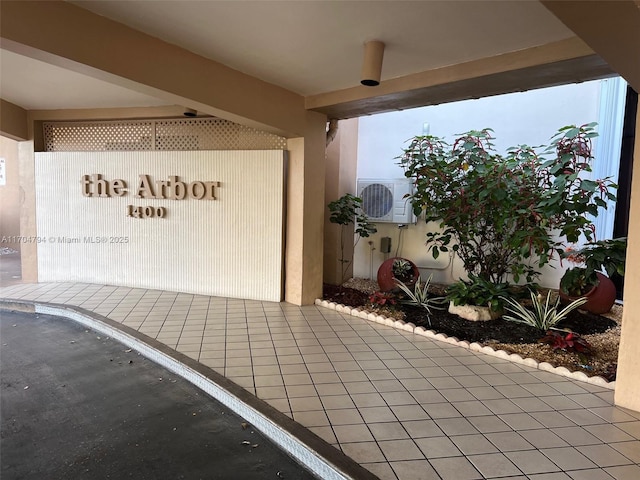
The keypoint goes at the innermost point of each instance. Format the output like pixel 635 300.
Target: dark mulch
pixel 344 296
pixel 499 330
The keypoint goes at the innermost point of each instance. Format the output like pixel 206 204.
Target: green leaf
pixel 572 133
pixel 588 185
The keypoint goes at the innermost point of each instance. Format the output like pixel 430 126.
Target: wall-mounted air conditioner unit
pixel 385 201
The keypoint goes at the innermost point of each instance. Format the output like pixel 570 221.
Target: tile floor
pixel 404 406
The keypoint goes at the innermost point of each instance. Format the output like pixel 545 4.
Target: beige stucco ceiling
pixel 313 47
pixel 36 85
pixel 308 47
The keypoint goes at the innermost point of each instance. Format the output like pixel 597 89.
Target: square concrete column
pixel 305 213
pixel 628 379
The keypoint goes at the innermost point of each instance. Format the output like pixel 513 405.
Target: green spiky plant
pixel 544 314
pixel 419 297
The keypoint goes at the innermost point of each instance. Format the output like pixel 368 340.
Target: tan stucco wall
pixel 305 213
pixel 10 195
pixel 13 121
pixel 29 251
pixel 340 178
pixel 628 379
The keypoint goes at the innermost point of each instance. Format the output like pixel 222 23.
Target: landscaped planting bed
pixel 602 332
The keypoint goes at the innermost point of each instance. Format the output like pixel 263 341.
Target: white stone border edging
pixel 294 447
pixel 476 347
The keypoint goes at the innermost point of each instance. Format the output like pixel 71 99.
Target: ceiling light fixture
pixel 372 64
pixel 190 112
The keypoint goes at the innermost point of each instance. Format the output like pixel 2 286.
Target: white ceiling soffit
pixel 313 47
pixel 35 85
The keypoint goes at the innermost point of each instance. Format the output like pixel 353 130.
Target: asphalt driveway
pixel 77 405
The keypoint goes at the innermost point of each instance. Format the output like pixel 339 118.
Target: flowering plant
pixel 382 298
pixel 569 342
pixel 505 216
pixel 607 256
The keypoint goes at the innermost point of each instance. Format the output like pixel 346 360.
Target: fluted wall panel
pixel 231 246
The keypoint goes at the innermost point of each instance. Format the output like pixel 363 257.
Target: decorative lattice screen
pixel 173 134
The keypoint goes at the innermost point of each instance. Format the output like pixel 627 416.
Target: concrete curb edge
pixel 304 446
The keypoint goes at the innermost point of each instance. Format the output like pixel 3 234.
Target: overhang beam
pixel 562 62
pixel 610 28
pixel 76 39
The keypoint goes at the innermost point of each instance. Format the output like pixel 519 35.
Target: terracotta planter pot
pixel 600 298
pixel 386 280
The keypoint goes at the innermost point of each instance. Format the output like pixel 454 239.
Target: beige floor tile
pixel 363 452
pixel 325 367
pixel 627 472
pixel 294 391
pixel 328 389
pixel 569 458
pixel 269 381
pixel 543 438
pixel 521 421
pixel 388 431
pixel 455 469
pixel 414 470
pixel 297 379
pixel 326 433
pixel 552 419
pixel 305 404
pixel 374 375
pixel 240 361
pixel 436 447
pixel 337 402
pixel 293 369
pixel 345 416
pixel 312 418
pixel 377 414
pixel 263 360
pixel 324 377
pixel 360 387
pixel 267 393
pixel 398 450
pixel 398 398
pixel 289 359
pixel 352 433
pixel 630 449
pixel 281 404
pixel 532 461
pixel 473 444
pixel 363 400
pixel 604 455
pixel 493 465
pixel 422 428
pixel 235 371
pixel 381 469
pixel 615 414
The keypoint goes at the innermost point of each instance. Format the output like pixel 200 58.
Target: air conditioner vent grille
pixel 386 201
pixel 377 200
